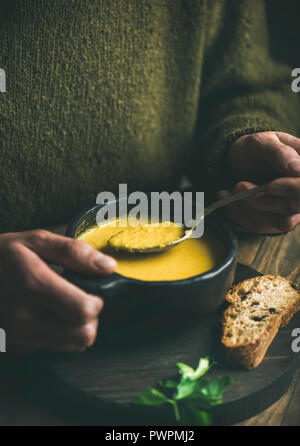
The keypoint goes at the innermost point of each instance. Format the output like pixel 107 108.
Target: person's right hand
pixel 39 309
pixel 258 158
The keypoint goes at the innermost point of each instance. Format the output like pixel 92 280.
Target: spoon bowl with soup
pixel 148 238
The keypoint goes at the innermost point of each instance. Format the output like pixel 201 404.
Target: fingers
pixel 265 155
pixel 284 159
pixel 261 222
pixel 72 339
pixel 253 218
pixel 75 340
pixel 61 316
pixel 285 187
pixel 234 212
pixel 289 140
pixel 26 328
pixel 268 202
pixel 70 253
pixel 258 157
pixel 38 283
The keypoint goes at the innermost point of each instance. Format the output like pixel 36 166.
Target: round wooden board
pixel 96 387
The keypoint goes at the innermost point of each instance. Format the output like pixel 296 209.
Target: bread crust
pixel 250 354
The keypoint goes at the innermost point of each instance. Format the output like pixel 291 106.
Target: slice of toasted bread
pixel 258 308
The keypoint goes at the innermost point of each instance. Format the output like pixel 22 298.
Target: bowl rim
pixel 116 277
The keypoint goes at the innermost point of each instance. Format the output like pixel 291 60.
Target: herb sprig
pixel 190 395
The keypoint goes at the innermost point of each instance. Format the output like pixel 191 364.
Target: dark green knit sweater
pixel 129 91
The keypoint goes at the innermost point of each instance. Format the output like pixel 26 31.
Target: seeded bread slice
pixel 258 308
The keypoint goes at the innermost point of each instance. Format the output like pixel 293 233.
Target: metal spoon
pixel 187 232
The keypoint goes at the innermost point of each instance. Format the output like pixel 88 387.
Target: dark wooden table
pixel 266 254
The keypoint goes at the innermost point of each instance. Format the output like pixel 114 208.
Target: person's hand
pixel 39 309
pixel 259 158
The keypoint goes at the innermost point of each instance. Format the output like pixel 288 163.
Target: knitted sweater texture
pixel 102 92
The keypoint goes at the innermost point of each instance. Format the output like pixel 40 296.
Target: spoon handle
pixel 259 190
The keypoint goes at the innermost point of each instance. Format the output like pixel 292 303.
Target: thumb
pixel 70 253
pixel 283 158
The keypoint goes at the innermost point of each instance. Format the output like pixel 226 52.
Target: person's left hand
pixel 254 159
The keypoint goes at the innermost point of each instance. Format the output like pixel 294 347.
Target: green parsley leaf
pixel 215 389
pixel 193 417
pixel 188 372
pixel 191 396
pixel 170 384
pixel 185 388
pixel 151 397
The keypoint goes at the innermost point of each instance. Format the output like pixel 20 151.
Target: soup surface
pixel 146 236
pixel 188 259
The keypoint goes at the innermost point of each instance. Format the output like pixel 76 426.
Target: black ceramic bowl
pixel 127 300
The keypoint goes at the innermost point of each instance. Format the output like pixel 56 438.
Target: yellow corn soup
pixel 187 259
pixel 146 236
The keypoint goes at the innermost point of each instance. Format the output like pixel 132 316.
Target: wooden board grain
pixel 97 386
